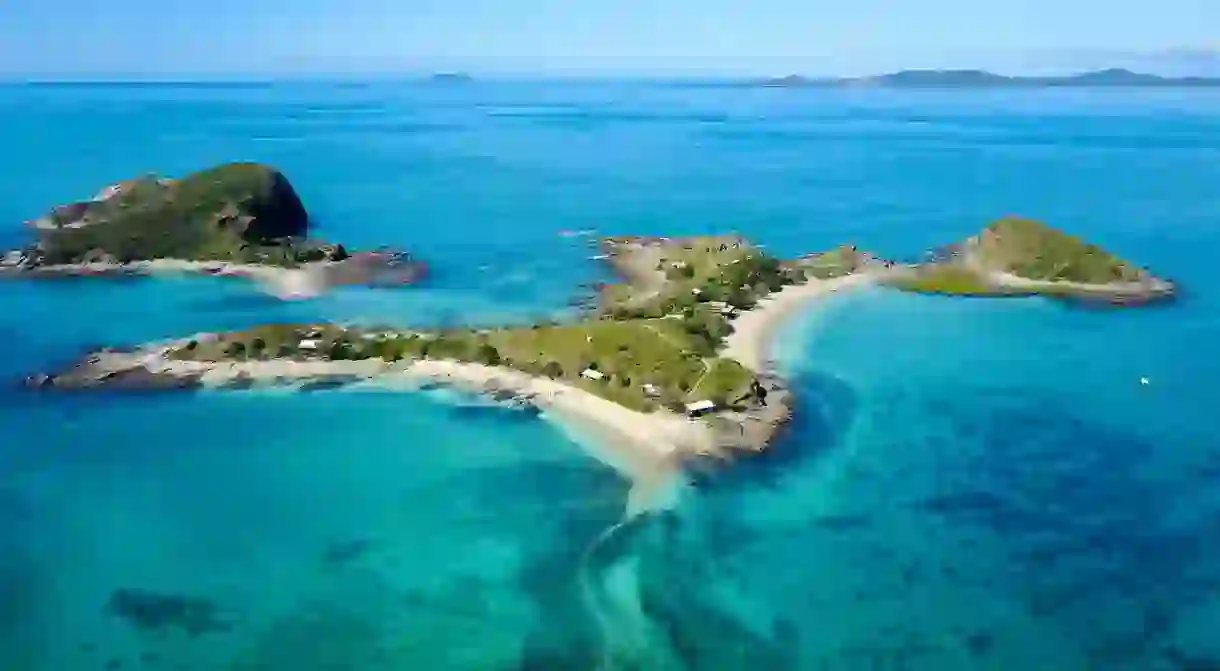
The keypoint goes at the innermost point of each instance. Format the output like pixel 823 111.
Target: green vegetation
pixel 838 262
pixel 644 364
pixel 950 279
pixel 1035 251
pixel 693 272
pixel 240 212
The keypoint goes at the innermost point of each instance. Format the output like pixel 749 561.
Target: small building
pixel 699 408
pixel 311 345
pixel 590 374
pixel 651 390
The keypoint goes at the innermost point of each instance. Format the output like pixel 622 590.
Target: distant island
pixel 451 78
pixel 967 79
pixel 683 336
pixel 237 218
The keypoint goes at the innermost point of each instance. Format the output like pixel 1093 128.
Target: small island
pixel 674 356
pixel 236 219
pixel 1022 257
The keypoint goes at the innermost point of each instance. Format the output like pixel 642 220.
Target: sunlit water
pixel 968 484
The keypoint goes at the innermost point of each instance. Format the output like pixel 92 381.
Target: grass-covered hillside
pixel 1035 251
pixel 675 276
pixel 242 212
pixel 641 364
pixel 1021 257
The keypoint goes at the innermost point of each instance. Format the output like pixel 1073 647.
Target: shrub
pixel 553 370
pixel 340 351
pixel 487 354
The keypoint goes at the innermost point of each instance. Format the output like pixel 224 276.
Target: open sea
pixel 969 484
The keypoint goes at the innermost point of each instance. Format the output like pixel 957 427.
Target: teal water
pixel 969 484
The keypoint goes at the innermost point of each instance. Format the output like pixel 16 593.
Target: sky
pixel 222 38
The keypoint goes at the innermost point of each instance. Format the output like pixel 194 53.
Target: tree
pixel 487 353
pixel 340 351
pixel 258 347
pixel 236 350
pixel 553 370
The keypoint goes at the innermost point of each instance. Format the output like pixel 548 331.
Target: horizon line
pixel 102 79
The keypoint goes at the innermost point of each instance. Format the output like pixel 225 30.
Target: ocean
pixel 968 484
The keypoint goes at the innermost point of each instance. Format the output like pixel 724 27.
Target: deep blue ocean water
pixel 969 484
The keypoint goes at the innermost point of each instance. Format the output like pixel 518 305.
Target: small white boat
pixel 1144 380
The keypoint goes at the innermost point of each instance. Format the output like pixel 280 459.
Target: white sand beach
pixel 753 330
pixel 640 445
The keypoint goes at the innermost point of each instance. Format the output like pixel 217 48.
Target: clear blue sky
pixel 521 37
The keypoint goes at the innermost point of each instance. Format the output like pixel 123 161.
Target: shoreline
pixel 152 267
pixel 303 281
pixel 641 446
pixel 645 447
pixel 754 330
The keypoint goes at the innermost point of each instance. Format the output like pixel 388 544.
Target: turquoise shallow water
pixel 969 484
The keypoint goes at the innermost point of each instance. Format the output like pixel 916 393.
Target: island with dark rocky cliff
pixel 675 354
pixel 237 218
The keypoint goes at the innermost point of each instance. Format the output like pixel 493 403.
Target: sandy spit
pixel 754 330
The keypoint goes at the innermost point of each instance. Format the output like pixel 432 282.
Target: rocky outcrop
pixel 238 212
pixel 130 379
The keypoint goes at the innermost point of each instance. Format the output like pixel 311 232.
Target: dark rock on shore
pixel 323 384
pixel 85 377
pixel 376 269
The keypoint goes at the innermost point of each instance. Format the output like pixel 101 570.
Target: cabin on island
pixel 699 408
pixel 591 374
pixel 651 390
pixel 311 345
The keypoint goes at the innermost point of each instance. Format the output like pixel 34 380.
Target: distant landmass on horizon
pixel 1113 77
